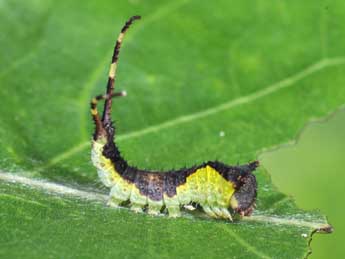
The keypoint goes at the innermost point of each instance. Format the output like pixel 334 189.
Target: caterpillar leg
pixel 226 214
pixel 137 208
pixel 119 194
pixel 114 199
pixel 173 206
pixel 217 211
pixel 138 201
pixel 113 202
pixel 209 212
pixel 222 213
pixel 154 207
pixel 174 211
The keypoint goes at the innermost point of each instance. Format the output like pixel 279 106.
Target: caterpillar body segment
pixel 218 188
pixel 212 185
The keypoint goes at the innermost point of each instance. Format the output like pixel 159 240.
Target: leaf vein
pixel 282 84
pixel 244 243
pixel 56 188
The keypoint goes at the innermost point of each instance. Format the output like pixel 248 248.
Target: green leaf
pixel 255 71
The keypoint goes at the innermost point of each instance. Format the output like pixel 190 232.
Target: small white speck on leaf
pixel 304 235
pixel 221 134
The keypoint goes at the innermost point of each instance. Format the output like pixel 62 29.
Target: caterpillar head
pixel 243 200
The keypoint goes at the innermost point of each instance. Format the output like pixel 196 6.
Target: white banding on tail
pixel 112 70
pixel 120 38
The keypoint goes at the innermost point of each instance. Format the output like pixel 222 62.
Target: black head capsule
pixel 243 200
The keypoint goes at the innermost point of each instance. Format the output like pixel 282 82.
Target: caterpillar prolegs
pixel 218 188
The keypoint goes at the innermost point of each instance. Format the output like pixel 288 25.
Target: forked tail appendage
pixel 103 124
pixel 106 118
pixel 100 130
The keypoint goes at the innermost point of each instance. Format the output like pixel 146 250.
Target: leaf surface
pixel 205 81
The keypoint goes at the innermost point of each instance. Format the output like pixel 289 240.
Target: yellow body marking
pixel 207 187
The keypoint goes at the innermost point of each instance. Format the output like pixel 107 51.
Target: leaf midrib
pixel 60 189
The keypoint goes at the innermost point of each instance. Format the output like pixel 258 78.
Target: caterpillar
pixel 220 190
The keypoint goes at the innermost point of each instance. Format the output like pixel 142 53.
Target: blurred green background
pixel 312 171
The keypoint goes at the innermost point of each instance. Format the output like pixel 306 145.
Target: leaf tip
pixel 327 229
